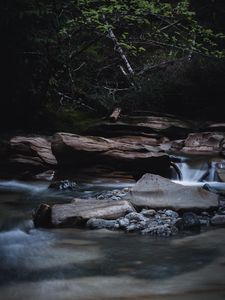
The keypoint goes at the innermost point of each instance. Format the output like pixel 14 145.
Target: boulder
pixel 31 151
pixel 72 149
pixel 204 143
pixel 42 216
pixel 81 210
pixel 154 191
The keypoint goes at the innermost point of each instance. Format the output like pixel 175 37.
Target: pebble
pixel 148 212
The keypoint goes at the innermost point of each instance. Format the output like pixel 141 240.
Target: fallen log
pixel 115 114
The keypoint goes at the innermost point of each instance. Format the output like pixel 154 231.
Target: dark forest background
pixel 59 65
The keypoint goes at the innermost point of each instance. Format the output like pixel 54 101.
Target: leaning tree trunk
pixel 130 72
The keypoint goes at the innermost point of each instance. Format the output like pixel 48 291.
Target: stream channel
pixel 100 264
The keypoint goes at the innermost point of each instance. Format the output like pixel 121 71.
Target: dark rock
pixel 210 188
pixel 42 216
pixel 154 192
pixel 63 185
pixel 123 223
pixel 133 227
pixel 148 212
pixel 172 214
pixel 94 223
pixel 144 125
pixel 218 220
pixel 33 152
pixel 137 217
pixel 72 149
pixel 220 170
pixel 164 230
pixel 189 221
pixel 204 220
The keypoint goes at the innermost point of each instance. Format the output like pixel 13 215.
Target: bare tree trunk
pixel 119 49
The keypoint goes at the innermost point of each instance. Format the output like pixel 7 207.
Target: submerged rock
pixel 154 192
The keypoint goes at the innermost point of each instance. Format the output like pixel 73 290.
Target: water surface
pixel 84 264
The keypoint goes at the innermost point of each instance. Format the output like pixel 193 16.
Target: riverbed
pixel 100 264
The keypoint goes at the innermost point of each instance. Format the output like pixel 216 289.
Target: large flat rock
pixel 154 191
pixel 144 125
pixel 79 211
pixel 72 149
pixel 31 151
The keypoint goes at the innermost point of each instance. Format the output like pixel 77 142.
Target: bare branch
pixel 82 64
pixel 160 66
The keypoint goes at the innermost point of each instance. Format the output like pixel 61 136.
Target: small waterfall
pixel 193 171
pixel 200 172
pixel 212 172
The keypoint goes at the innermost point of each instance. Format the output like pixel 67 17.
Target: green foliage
pixel 66 57
pixel 192 90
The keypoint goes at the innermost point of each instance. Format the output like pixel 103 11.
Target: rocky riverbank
pixel 136 147
pixel 125 210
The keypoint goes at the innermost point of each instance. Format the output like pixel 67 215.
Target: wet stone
pixel 189 221
pixel 63 185
pixel 94 223
pixel 204 221
pixel 148 212
pixel 133 216
pixel 160 230
pixel 123 223
pixel 171 213
pixel 113 195
pixel 218 220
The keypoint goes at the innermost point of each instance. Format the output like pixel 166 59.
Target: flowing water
pixel 100 264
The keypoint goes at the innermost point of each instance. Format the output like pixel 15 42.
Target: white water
pixel 80 264
pixel 220 186
pixel 193 172
pixel 17 186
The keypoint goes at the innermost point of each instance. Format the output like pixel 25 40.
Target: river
pixel 100 264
